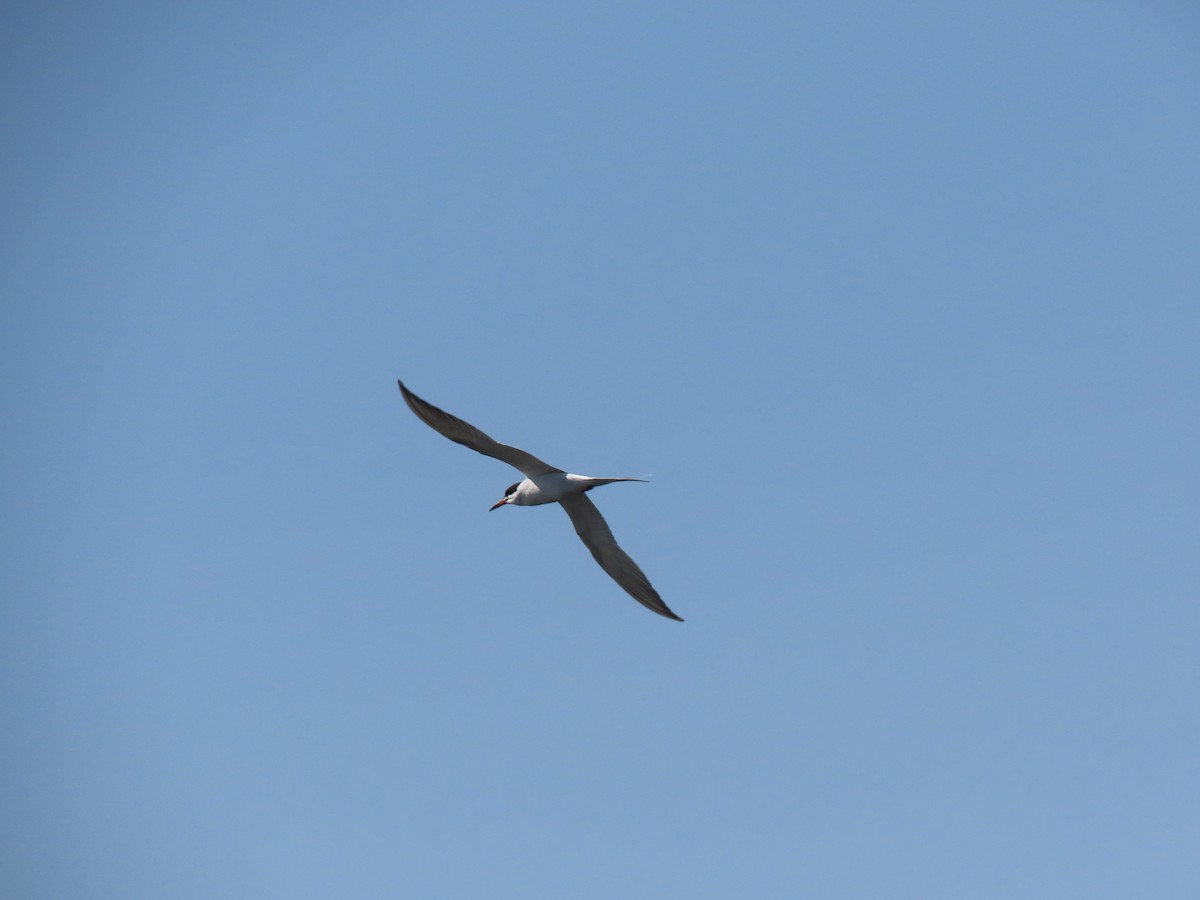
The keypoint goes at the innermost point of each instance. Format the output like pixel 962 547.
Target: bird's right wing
pixel 469 436
pixel 598 537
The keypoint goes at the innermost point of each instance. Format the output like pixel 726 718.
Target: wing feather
pixel 469 436
pixel 598 537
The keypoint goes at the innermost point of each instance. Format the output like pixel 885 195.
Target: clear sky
pixel 898 304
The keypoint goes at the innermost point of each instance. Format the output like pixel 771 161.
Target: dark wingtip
pixel 408 396
pixel 666 612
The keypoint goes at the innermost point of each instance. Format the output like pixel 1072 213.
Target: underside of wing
pixel 598 537
pixel 469 436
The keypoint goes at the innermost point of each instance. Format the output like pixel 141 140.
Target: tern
pixel 545 484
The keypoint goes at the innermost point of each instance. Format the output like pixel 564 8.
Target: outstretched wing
pixel 595 533
pixel 469 436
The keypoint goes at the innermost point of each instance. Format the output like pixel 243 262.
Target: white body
pixel 553 486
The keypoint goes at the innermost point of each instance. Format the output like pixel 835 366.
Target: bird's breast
pixel 548 488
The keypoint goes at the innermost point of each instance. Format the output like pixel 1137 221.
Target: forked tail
pixel 590 483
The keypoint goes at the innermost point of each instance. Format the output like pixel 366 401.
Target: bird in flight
pixel 545 484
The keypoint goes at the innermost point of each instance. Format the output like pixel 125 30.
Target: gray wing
pixel 469 436
pixel 595 533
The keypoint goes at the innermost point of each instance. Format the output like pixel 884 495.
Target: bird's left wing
pixel 469 436
pixel 595 533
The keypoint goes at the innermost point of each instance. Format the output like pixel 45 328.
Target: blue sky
pixel 897 305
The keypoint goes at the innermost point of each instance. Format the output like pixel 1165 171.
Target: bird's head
pixel 508 495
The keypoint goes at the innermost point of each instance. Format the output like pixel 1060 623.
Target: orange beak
pixel 500 504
